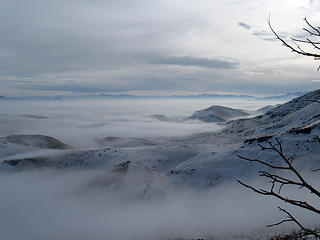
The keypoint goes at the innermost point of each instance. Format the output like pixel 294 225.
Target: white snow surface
pixel 201 160
pixel 141 186
pixel 218 114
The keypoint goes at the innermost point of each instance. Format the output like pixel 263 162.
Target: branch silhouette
pixel 278 181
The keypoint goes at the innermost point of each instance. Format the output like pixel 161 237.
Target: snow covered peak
pixel 218 113
pixel 295 104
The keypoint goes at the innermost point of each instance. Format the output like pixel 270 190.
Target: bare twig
pixel 290 218
pixel 313 100
pixel 278 182
pixel 296 47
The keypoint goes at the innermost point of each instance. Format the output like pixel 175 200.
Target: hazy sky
pixel 149 46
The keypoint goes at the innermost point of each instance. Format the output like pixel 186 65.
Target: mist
pixel 82 123
pixel 83 159
pixel 101 203
pixel 73 205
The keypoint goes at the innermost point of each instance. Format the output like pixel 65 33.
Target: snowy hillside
pixel 201 160
pixel 264 109
pixel 34 141
pixel 174 187
pixel 218 114
pixel 14 145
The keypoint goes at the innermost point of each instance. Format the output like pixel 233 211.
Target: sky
pixel 151 47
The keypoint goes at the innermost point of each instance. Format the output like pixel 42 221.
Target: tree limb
pixel 278 182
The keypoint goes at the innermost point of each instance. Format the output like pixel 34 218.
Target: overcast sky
pixel 152 46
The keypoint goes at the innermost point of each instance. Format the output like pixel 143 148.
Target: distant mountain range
pixel 128 96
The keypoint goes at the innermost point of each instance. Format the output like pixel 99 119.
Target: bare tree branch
pixel 278 182
pixel 290 218
pixel 313 100
pixel 312 27
pixel 262 162
pixel 307 42
pixel 300 46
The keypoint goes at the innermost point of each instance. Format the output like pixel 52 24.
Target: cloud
pixel 244 25
pixel 82 205
pixel 130 45
pixel 266 35
pixel 195 62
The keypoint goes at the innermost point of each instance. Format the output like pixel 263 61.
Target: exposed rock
pixel 122 166
pixel 258 139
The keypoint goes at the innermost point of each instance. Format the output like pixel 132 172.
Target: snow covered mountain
pixel 218 114
pixel 14 145
pixel 201 160
pixel 34 141
pixel 129 96
pixel 264 109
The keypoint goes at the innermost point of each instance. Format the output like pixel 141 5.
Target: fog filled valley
pixel 149 168
pixel 79 123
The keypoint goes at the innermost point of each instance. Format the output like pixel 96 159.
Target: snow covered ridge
pixel 215 113
pixel 21 146
pixel 265 109
pixel 201 160
pixel 218 114
pixel 39 141
pixel 298 113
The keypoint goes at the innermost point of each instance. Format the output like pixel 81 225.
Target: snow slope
pixel 16 145
pixel 201 160
pixel 218 114
pixel 39 141
pixel 264 109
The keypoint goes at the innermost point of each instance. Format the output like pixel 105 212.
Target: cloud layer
pixel 103 46
pixel 73 204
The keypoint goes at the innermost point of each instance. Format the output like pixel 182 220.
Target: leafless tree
pixel 278 174
pixel 308 46
pixel 280 179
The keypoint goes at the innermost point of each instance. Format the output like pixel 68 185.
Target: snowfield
pixel 201 160
pixel 145 166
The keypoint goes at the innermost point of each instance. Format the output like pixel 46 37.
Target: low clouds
pixel 52 205
pixel 195 62
pixel 80 205
pixel 130 45
pixel 264 35
pixel 244 25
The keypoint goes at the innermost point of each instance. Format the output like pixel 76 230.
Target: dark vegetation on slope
pixel 40 141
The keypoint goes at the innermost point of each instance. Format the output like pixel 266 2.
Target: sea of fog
pixel 72 205
pixel 54 205
pixel 80 123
